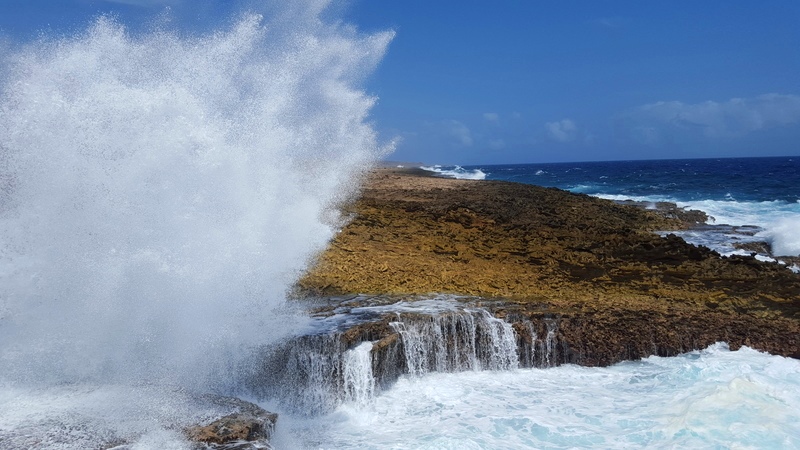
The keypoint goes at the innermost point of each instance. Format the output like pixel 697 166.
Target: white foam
pixel 457 172
pixel 779 220
pixel 711 398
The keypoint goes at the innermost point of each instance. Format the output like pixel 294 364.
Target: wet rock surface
pixel 250 427
pixel 615 289
pixel 230 424
pixel 362 344
pixel 689 217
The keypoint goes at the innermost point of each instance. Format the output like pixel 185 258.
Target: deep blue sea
pixel 750 199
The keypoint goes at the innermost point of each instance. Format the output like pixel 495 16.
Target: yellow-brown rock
pixel 568 253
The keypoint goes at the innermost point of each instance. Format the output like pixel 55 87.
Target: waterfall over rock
pixel 359 381
pixel 357 351
pixel 468 340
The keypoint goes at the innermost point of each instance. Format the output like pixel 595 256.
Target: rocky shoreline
pixel 433 274
pixel 618 290
pixel 508 275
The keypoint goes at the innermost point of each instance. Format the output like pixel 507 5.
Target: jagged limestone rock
pixel 585 260
pixel 250 428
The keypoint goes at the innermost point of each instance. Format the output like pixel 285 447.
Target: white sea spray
pixel 159 193
pixel 777 221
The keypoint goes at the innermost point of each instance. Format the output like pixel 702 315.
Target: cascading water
pixel 548 346
pixel 350 357
pixel 159 193
pixel 359 382
pixel 468 340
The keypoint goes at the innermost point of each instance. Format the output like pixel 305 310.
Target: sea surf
pixel 747 199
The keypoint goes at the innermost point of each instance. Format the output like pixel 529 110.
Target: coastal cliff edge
pixel 618 289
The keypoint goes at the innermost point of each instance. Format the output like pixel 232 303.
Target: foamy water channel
pixel 713 398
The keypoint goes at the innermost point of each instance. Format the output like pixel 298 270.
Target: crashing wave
pixel 456 172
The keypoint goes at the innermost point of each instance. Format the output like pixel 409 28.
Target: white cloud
pixel 459 132
pixel 654 122
pixel 491 117
pixel 562 131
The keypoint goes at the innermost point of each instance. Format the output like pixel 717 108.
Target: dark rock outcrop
pixel 249 428
pixel 689 217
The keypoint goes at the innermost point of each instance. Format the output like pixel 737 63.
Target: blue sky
pixel 480 82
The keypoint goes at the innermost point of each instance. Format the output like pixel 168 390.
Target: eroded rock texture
pixel 619 290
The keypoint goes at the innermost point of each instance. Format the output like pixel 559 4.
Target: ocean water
pixel 160 192
pixel 759 194
pixel 710 398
